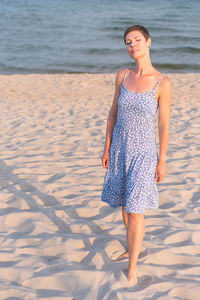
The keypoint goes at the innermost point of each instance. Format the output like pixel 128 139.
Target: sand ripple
pixel 58 241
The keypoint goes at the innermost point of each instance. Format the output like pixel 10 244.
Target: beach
pixel 58 239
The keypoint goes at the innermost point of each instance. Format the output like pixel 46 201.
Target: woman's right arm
pixel 112 117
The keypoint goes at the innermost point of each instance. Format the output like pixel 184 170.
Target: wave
pixel 97 69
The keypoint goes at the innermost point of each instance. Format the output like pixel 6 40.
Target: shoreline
pixel 93 73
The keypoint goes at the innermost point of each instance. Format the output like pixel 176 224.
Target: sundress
pixel 130 178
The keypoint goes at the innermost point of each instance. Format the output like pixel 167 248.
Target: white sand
pixel 58 240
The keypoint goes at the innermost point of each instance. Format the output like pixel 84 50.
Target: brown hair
pixel 140 28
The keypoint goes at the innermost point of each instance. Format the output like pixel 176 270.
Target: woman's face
pixel 136 44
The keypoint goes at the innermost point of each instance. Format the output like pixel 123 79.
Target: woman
pixel 130 155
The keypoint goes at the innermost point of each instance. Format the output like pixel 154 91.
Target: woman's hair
pixel 140 28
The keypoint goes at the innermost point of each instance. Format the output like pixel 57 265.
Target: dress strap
pixel 125 76
pixel 159 80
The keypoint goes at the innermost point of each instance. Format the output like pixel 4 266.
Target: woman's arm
pixel 112 117
pixel 163 126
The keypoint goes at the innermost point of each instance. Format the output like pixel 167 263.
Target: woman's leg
pixel 125 216
pixel 135 234
pixel 125 219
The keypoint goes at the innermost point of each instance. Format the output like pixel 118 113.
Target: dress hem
pixel 128 211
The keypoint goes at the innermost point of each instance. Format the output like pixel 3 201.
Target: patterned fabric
pixel 130 178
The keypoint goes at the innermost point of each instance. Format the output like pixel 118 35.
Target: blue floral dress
pixel 130 178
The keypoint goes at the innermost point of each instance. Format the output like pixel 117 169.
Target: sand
pixel 58 240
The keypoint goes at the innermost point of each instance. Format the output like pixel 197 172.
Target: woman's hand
pixel 105 159
pixel 160 170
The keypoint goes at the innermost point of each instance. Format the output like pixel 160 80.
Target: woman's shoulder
pixel 161 75
pixel 162 79
pixel 122 72
pixel 120 75
pixel 165 82
pixel 165 86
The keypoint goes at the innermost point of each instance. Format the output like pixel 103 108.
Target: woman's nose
pixel 132 44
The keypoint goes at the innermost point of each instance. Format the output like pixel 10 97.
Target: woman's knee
pixel 135 218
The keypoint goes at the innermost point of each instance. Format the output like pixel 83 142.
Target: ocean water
pixel 77 36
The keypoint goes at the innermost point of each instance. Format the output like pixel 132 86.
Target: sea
pixel 86 36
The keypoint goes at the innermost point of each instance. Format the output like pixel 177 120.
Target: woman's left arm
pixel 165 94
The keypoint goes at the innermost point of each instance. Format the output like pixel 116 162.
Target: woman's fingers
pixel 161 176
pixel 104 163
pixel 156 175
pixel 160 172
pixel 105 160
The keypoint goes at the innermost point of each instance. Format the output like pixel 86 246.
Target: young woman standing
pixel 130 155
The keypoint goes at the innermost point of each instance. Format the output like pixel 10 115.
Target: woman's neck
pixel 143 66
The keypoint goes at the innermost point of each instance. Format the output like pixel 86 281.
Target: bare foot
pixel 123 256
pixel 132 277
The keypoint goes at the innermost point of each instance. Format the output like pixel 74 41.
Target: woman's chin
pixel 136 55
